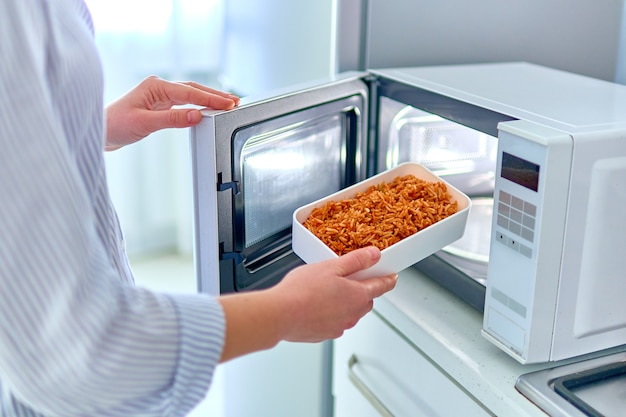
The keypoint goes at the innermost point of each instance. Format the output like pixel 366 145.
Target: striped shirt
pixel 77 338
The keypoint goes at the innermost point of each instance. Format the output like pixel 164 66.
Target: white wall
pixel 275 43
pixel 582 36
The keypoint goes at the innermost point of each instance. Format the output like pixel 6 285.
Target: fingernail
pixel 373 251
pixel 193 116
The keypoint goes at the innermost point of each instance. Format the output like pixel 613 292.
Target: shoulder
pixel 38 15
pixel 28 25
pixel 32 31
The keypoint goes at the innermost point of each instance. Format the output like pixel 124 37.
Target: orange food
pixel 382 215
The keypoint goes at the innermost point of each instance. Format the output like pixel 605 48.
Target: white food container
pixel 400 255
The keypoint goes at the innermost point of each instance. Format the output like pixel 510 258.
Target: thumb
pixel 378 286
pixel 357 260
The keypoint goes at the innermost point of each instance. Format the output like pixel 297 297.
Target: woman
pixel 76 337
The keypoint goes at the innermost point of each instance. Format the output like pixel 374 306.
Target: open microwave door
pixel 253 166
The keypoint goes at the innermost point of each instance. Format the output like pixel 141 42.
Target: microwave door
pixel 253 166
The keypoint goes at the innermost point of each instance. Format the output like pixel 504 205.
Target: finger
pixel 183 93
pixel 216 98
pixel 357 260
pixel 378 286
pixel 212 90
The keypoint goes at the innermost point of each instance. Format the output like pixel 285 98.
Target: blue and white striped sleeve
pixel 75 338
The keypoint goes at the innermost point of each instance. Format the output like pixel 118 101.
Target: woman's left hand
pixel 149 107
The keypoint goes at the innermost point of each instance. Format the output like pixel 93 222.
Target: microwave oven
pixel 541 152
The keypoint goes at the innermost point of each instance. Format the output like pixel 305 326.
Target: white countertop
pixel 447 330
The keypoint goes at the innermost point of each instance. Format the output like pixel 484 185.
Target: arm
pixel 312 303
pixel 150 106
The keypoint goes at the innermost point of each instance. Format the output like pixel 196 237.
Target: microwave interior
pixel 457 141
pixel 466 158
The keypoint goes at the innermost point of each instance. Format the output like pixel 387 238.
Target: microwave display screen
pixel 520 171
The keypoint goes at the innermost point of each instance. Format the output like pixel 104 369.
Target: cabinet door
pixel 378 372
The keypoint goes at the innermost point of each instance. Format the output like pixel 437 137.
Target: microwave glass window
pixel 288 167
pixel 466 157
pixel 520 171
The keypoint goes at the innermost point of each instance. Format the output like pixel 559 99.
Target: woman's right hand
pixel 325 301
pixel 312 303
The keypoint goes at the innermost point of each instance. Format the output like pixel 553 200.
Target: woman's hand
pixel 325 300
pixel 312 303
pixel 149 107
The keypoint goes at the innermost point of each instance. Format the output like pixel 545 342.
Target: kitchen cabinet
pixel 420 353
pixel 381 366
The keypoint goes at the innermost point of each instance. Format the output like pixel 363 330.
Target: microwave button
pixel 528 221
pixel 516 216
pixel 517 203
pixel 505 240
pixel 513 244
pixel 526 251
pixel 515 228
pixel 505 197
pixel 509 302
pixel 504 209
pixel 517 307
pixel 503 221
pixel 530 209
pixel 528 234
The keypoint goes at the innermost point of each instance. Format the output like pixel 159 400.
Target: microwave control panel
pixel 516 221
pixel 527 231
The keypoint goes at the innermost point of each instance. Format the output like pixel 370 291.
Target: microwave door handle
pixel 364 390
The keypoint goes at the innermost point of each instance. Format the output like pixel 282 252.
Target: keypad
pixel 518 217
